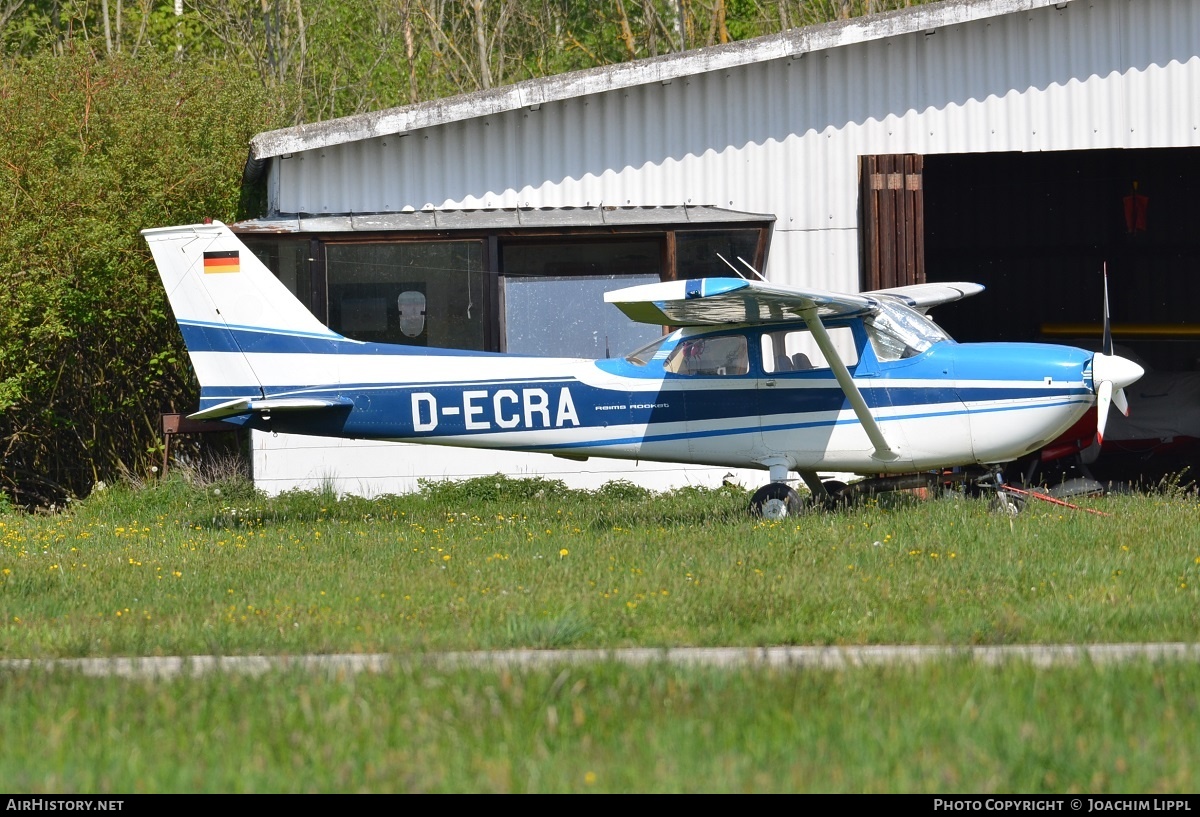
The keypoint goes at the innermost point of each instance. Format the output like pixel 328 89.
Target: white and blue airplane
pixel 748 374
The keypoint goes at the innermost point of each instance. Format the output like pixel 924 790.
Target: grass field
pixel 174 569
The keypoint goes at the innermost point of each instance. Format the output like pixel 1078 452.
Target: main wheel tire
pixel 1078 486
pixel 834 486
pixel 836 497
pixel 776 501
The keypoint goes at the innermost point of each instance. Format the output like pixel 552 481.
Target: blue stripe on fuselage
pixel 415 411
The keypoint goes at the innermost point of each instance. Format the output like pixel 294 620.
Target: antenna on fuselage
pixel 736 271
pixel 750 267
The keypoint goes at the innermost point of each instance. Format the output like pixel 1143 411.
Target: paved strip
pixel 777 657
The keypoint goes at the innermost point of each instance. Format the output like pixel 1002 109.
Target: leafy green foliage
pixel 91 152
pixel 495 488
pixel 352 56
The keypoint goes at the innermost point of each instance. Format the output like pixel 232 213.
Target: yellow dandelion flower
pixel 563 552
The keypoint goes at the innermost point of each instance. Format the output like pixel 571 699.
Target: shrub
pixel 91 152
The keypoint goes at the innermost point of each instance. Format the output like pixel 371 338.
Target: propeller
pixel 1111 373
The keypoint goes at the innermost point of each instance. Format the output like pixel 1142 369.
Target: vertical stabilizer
pixel 230 308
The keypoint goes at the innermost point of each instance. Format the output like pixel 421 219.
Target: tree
pixel 92 150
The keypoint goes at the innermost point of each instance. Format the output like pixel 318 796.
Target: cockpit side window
pixel 796 351
pixel 712 356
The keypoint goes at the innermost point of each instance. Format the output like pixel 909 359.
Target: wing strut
pixel 883 451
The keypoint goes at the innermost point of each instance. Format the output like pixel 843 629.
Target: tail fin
pixel 231 309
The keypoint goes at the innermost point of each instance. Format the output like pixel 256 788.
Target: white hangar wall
pixel 780 132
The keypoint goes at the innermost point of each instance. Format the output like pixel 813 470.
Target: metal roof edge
pixel 497 218
pixel 533 92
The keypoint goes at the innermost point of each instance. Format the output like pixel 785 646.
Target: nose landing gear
pixel 775 501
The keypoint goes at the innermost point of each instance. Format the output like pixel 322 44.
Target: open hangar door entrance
pixel 1037 229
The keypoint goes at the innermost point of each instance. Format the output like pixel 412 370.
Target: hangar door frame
pixel 892 201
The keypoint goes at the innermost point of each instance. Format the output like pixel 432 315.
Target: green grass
pixel 172 570
pixel 495 563
pixel 946 727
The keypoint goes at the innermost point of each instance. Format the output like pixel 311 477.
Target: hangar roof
pixel 534 92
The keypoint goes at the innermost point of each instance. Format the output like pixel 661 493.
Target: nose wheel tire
pixel 1007 504
pixel 776 501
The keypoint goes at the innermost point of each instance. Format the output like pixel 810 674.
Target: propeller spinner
pixel 1111 373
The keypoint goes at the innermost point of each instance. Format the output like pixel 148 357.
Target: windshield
pixel 899 332
pixel 644 354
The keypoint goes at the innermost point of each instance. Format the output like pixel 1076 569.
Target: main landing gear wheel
pixel 776 501
pixel 835 497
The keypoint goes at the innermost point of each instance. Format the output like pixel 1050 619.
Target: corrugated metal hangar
pixel 1022 144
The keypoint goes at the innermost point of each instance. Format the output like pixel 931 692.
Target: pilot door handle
pixel 770 383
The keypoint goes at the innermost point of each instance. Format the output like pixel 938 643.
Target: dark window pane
pixel 697 252
pixel 288 259
pixel 415 293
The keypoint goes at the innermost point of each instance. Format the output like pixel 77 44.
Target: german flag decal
pixel 223 261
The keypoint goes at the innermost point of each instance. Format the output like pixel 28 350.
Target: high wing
pixel 924 297
pixel 715 301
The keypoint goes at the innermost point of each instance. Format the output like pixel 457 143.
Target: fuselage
pixel 948 404
pixel 762 375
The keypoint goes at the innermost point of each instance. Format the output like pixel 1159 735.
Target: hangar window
pixel 427 293
pixel 553 295
pixel 700 252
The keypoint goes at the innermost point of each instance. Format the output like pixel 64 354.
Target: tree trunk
pixel 481 44
pixel 626 31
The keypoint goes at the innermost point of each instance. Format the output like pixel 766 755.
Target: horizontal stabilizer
pixel 246 405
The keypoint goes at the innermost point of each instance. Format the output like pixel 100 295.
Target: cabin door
pixel 800 400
